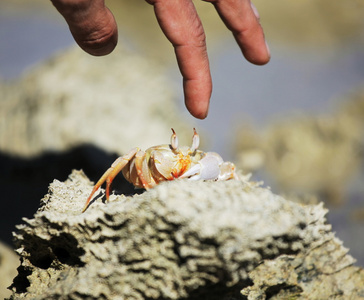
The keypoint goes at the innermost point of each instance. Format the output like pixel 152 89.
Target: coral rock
pixel 181 239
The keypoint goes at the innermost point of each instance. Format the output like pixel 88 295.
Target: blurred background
pixel 296 123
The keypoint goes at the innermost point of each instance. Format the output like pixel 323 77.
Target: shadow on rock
pixel 24 181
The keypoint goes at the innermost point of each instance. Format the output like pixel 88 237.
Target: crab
pixel 145 169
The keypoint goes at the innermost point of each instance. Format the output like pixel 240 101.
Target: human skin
pixel 95 30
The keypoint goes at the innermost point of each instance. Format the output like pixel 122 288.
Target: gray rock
pixel 181 239
pixel 72 99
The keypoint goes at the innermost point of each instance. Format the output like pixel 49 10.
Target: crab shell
pixel 169 162
pixel 145 169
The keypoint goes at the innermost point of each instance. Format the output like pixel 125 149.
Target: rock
pixel 290 149
pixel 318 155
pixel 323 272
pixel 180 240
pixel 78 111
pixel 115 102
pixel 8 263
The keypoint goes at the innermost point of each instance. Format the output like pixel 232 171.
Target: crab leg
pixel 143 170
pixel 110 174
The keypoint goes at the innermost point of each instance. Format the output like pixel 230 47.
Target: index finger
pixel 180 23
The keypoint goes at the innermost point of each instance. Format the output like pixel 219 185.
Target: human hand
pixel 95 31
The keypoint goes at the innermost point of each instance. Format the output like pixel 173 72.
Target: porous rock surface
pixel 181 240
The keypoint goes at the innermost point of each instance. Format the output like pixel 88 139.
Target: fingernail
pixel 268 50
pixel 206 112
pixel 256 13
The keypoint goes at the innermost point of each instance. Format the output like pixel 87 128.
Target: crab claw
pixel 206 169
pixel 227 171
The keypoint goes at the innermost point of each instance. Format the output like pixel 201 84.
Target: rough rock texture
pixel 320 273
pixel 319 155
pixel 77 111
pixel 182 239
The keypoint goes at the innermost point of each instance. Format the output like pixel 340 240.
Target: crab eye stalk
pixel 195 140
pixel 174 140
